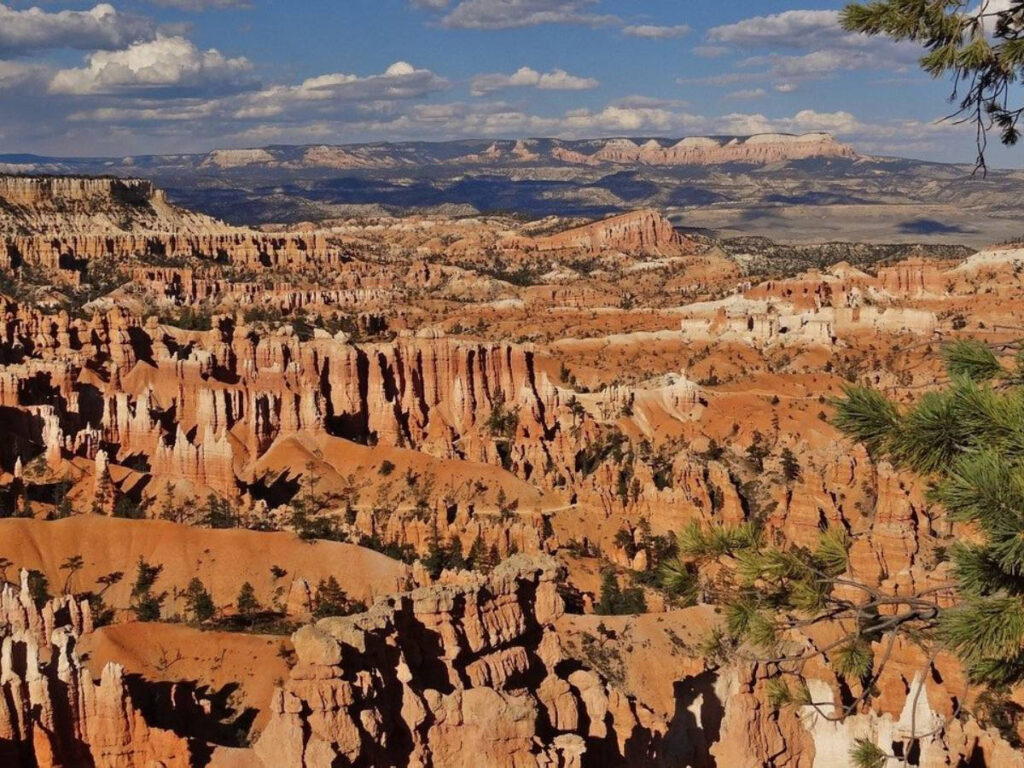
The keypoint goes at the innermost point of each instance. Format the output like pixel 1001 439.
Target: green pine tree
pixel 147 604
pixel 611 595
pixel 246 603
pixel 331 600
pixel 477 554
pixel 199 602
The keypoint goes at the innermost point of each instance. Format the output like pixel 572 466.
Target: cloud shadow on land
pixel 923 226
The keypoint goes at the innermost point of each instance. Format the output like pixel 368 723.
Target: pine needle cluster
pixel 977 45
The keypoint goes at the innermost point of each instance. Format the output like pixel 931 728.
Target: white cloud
pixel 479 119
pixel 527 77
pixel 507 14
pixel 339 97
pixel 808 65
pixel 167 63
pixel 817 64
pixel 785 87
pixel 790 29
pixel 841 123
pixel 103 27
pixel 177 113
pixel 400 69
pixel 655 32
pixel 560 80
pixel 401 81
pixel 829 48
pixel 804 121
pixel 627 119
pixel 13 74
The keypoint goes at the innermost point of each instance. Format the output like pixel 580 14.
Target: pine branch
pixel 976 361
pixel 866 416
pixel 984 629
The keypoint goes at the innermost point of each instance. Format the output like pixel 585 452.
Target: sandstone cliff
pixel 68 205
pixel 639 232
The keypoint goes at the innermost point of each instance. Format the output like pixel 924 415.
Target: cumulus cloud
pixel 507 14
pixel 527 77
pixel 818 63
pixel 499 119
pixel 167 63
pixel 804 121
pixel 401 81
pixel 828 47
pixel 655 32
pixel 102 28
pixel 866 135
pixel 790 29
pixel 337 98
pixel 14 74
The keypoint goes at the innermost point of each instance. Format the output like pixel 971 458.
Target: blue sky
pixel 191 75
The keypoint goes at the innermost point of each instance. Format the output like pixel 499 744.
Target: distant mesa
pixel 236 158
pixel 699 150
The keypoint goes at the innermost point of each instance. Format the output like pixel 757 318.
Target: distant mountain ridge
pixel 754 150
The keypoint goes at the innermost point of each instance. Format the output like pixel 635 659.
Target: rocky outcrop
pixel 32 191
pixel 638 232
pixel 66 205
pixel 52 713
pixel 459 674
